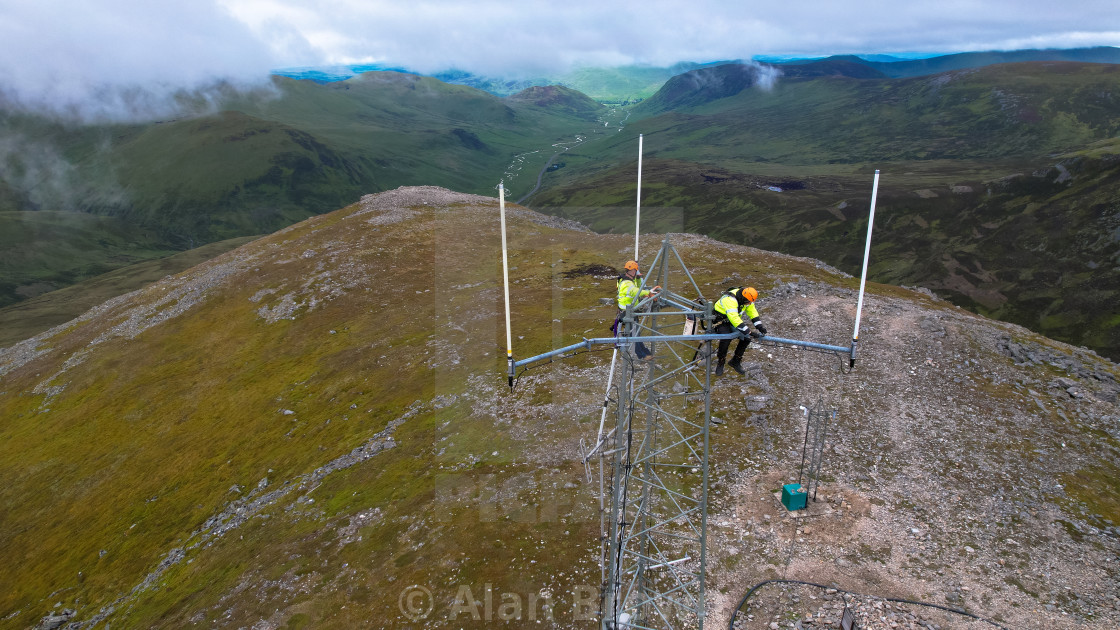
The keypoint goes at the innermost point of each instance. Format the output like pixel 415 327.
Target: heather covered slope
pixel 300 431
pixel 78 199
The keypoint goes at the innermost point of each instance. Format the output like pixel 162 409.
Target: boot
pixel 719 368
pixel 736 364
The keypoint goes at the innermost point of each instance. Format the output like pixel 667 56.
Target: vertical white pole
pixel 638 218
pixel 505 280
pixel 606 401
pixel 866 255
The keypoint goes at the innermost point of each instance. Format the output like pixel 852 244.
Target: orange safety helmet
pixel 750 294
pixel 631 264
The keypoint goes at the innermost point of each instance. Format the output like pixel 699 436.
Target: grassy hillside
pixel 262 162
pixel 1017 110
pixel 302 431
pixel 53 306
pixel 44 250
pixel 998 187
pixel 960 61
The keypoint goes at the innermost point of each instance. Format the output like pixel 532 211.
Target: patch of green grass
pixel 1098 488
pixel 298 622
pixel 148 436
pixel 1014 581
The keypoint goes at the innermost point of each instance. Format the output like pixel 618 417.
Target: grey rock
pixel 51 622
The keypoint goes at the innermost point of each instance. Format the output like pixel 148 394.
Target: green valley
pixel 78 200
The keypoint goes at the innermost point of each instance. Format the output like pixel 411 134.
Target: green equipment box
pixel 793 497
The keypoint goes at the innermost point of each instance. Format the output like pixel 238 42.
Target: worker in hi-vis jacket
pixel 628 293
pixel 731 310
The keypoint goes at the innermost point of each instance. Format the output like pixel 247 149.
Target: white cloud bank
pixel 58 53
pixel 121 56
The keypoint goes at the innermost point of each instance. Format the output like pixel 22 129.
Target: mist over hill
pixel 298 432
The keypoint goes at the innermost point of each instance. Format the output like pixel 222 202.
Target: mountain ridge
pixel 266 163
pixel 638 82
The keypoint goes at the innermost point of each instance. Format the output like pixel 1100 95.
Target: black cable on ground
pixel 731 623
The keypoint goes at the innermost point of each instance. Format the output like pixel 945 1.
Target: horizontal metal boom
pixel 806 344
pixel 587 343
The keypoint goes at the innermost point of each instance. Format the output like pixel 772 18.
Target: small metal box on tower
pixel 793 497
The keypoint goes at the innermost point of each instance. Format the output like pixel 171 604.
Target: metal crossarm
pixel 586 344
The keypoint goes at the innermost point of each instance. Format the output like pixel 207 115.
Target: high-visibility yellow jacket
pixel 628 291
pixel 728 305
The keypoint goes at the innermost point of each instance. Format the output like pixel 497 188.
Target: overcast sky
pixel 65 51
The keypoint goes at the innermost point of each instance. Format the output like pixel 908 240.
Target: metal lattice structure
pixel 817 420
pixel 654 529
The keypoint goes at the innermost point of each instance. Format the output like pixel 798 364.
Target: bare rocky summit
pixel 348 371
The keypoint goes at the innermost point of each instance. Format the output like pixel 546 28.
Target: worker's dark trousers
pixel 640 349
pixel 721 353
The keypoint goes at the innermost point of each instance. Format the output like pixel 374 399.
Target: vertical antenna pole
pixel 863 275
pixel 606 399
pixel 638 218
pixel 505 281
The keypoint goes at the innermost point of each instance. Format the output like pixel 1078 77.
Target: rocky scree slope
pixel 306 430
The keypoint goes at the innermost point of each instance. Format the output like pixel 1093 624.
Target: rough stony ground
pixel 948 478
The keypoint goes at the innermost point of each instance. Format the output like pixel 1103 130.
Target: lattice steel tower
pixel 656 460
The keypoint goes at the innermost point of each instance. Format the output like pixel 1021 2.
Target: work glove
pixel 761 329
pixel 743 328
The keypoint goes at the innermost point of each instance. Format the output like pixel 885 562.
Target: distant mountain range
pixel 620 85
pixel 943 63
pixel 633 83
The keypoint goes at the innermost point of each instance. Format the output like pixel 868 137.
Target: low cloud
pixel 128 59
pixel 497 37
pixel 123 59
